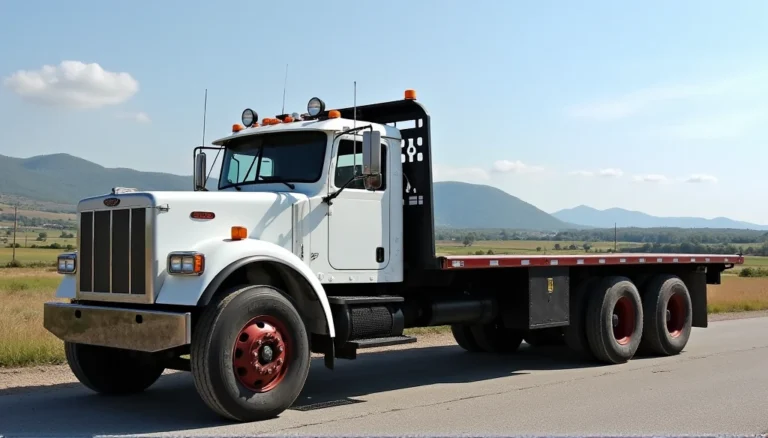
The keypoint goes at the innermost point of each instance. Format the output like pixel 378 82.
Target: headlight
pixel 315 106
pixel 186 263
pixel 67 263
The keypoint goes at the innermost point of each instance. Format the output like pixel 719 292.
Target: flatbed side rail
pixel 521 261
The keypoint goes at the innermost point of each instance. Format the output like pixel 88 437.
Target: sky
pixel 653 106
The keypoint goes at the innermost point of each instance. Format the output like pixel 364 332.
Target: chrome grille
pixel 113 252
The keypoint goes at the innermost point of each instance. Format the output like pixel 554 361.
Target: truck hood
pixel 267 216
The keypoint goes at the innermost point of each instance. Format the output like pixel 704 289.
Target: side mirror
pixel 200 168
pixel 372 159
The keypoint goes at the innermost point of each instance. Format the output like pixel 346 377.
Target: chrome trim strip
pixel 79 246
pixel 150 273
pixel 130 244
pixel 132 329
pixel 111 226
pixel 93 250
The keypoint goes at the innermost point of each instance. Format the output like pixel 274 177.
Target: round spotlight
pixel 315 106
pixel 249 117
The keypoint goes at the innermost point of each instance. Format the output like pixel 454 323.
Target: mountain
pixel 66 179
pixel 584 215
pixel 463 205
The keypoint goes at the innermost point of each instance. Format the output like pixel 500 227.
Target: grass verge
pixel 24 341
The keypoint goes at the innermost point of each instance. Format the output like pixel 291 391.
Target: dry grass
pixel 738 294
pixel 24 341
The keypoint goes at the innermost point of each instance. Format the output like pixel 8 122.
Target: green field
pixel 525 247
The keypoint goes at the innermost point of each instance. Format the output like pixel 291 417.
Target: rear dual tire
pixel 668 316
pixel 614 320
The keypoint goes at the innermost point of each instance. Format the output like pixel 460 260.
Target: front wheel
pixel 250 354
pixel 112 371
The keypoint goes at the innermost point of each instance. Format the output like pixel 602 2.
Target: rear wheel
pixel 495 338
pixel 463 336
pixel 614 320
pixel 112 371
pixel 544 337
pixel 575 333
pixel 250 354
pixel 668 316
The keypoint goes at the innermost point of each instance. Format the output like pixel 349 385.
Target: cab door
pixel 358 219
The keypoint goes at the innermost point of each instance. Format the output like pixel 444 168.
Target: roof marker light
pixel 333 114
pixel 237 127
pixel 410 94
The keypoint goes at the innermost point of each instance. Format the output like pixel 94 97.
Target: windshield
pixel 281 157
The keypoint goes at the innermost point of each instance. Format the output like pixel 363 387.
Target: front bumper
pixel 130 329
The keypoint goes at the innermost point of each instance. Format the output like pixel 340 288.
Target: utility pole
pixel 15 221
pixel 615 237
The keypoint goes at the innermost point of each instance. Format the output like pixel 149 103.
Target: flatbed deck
pixel 519 261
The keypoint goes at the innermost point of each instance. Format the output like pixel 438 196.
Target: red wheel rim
pixel 623 320
pixel 675 315
pixel 260 355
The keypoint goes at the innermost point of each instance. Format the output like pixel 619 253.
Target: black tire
pixel 575 333
pixel 463 336
pixel 495 338
pixel 216 346
pixel 112 371
pixel 662 334
pixel 544 337
pixel 616 298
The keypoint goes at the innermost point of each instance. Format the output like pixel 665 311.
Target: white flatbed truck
pixel 316 241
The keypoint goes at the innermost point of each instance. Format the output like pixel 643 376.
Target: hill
pixel 65 179
pixel 584 215
pixel 463 205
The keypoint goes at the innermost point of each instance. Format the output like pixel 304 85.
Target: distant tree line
pixel 26 221
pixel 653 240
pixel 634 235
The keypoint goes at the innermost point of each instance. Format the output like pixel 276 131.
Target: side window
pixel 349 164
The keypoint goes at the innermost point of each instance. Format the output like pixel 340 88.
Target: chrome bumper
pixel 130 329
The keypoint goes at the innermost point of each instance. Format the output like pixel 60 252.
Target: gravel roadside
pixel 21 380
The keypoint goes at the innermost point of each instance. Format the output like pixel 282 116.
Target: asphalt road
pixel 719 385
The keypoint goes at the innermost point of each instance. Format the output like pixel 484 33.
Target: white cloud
pixel 140 117
pixel 610 173
pixel 606 173
pixel 701 178
pixel 636 101
pixel 465 174
pixel 506 166
pixel 73 84
pixel 652 178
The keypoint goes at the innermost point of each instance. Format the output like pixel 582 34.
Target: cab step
pixel 381 342
pixel 349 349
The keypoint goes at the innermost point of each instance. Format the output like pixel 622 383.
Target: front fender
pixel 221 255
